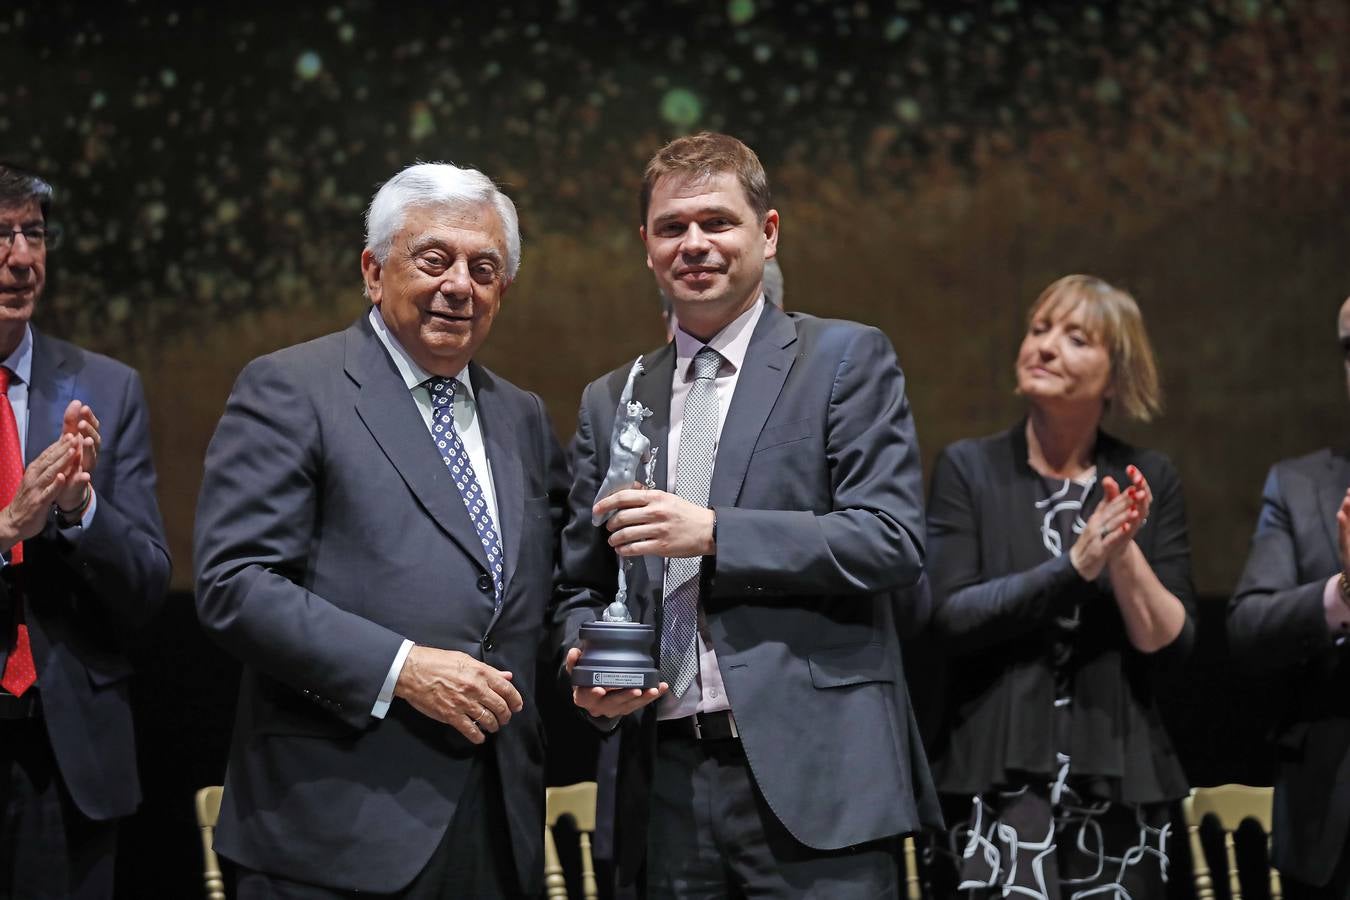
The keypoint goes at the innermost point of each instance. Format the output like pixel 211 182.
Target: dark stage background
pixel 935 164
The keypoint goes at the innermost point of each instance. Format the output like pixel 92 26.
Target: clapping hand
pixel 1113 524
pixel 55 469
pixel 79 422
pixel 1343 523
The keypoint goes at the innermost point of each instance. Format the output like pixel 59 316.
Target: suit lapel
pixel 388 411
pixel 652 389
pixel 51 387
pixel 499 437
pixel 768 359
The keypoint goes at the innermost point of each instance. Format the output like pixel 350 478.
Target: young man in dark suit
pixel 85 565
pixel 1290 616
pixel 780 755
pixel 375 540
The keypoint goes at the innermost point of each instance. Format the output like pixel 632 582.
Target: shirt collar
pixel 732 341
pixel 414 376
pixel 20 362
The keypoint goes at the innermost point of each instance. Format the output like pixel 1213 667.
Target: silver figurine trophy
pixel 616 652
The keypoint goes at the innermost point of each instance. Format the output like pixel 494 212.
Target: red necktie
pixel 20 672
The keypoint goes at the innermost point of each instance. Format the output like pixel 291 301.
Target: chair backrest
pixel 1230 805
pixel 208 811
pixel 576 801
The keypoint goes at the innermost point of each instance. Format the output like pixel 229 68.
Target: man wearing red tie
pixel 84 565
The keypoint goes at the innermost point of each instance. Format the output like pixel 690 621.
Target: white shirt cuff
pixel 386 696
pixel 89 513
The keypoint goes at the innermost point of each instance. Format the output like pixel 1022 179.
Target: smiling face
pixel 23 272
pixel 706 247
pixel 442 285
pixel 1062 364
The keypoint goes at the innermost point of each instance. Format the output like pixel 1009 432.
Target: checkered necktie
pixel 693 475
pixel 456 459
pixel 19 671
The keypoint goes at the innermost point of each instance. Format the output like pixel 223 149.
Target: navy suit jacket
pixel 817 490
pixel 86 591
pixel 1277 626
pixel 328 530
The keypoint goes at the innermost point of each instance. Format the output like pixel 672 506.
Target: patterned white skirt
pixel 1045 842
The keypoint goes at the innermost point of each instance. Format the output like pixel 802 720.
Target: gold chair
pixel 913 888
pixel 578 802
pixel 208 811
pixel 1230 805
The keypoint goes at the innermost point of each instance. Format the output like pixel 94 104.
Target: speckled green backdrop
pixel 935 165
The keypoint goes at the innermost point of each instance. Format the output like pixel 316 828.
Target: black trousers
pixel 48 849
pixel 472 860
pixel 712 835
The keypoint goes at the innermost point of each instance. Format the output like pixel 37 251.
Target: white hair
pixel 423 185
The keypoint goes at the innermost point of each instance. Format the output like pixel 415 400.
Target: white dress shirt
pixel 707 694
pixel 470 433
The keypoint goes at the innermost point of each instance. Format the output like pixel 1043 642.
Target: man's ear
pixel 372 273
pixel 642 233
pixel 771 234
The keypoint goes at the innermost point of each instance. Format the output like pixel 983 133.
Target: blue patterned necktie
pixel 693 475
pixel 456 459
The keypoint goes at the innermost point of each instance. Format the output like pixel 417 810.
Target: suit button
pixel 484 583
pixel 488 644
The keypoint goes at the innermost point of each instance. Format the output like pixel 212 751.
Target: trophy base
pixel 616 656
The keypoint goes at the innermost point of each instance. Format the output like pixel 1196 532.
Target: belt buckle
pixel 14 708
pixel 731 723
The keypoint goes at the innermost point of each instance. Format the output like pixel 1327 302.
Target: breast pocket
pixel 106 669
pixel 781 435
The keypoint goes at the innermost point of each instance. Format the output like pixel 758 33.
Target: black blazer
pixel 817 488
pixel 1276 625
pixel 996 591
pixel 85 597
pixel 328 530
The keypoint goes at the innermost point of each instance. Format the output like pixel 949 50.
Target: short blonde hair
pixel 1111 316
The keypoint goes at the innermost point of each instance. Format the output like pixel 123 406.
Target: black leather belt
pixel 713 726
pixel 25 707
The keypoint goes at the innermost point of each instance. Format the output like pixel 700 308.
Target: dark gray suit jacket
pixel 328 530
pixel 1276 625
pixel 84 598
pixel 817 489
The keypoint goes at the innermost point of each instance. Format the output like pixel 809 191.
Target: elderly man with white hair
pixel 375 540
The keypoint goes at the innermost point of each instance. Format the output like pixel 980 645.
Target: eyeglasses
pixel 37 236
